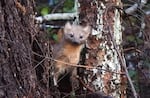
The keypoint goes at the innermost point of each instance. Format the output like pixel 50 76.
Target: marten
pixel 71 40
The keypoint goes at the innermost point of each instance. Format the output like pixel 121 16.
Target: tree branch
pixel 123 64
pixel 135 6
pixel 57 16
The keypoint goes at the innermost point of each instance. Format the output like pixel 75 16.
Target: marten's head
pixel 76 34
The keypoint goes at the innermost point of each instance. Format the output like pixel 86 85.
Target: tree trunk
pixel 103 45
pixel 17 76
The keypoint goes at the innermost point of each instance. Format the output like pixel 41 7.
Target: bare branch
pixel 57 16
pixel 134 7
pixel 74 65
pixel 123 64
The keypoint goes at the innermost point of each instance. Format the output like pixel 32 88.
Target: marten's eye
pixel 71 35
pixel 81 37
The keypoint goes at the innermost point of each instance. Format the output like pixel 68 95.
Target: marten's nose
pixel 76 42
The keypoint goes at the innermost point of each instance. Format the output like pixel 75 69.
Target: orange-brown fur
pixel 68 50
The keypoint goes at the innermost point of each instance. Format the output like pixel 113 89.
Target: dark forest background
pixel 25 44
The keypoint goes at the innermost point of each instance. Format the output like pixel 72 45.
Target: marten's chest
pixel 72 53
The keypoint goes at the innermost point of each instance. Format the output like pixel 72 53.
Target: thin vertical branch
pixel 123 64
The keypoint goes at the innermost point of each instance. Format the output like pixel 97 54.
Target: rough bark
pixel 17 79
pixel 101 52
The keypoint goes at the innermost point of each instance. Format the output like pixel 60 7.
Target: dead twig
pixel 123 64
pixel 74 65
pixel 59 4
pixel 131 48
pixel 90 89
pixel 121 58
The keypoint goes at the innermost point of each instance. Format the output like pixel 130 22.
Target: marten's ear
pixel 68 25
pixel 87 29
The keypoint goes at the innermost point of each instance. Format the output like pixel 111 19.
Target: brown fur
pixel 68 48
